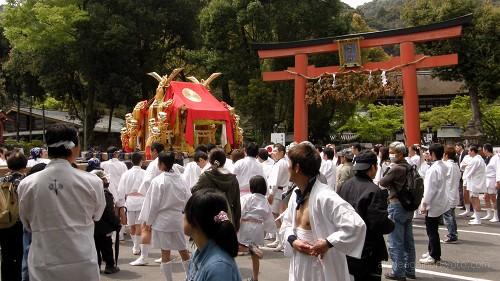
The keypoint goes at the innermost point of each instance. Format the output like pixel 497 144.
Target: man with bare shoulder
pixel 320 227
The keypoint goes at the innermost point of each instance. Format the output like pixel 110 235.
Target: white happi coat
pixel 414 161
pixel 152 171
pixel 33 162
pixel 435 190
pixel 332 219
pixel 165 202
pixel 129 184
pixel 256 219
pixel 279 177
pixel 267 166
pixel 59 206
pixel 191 173
pixel 475 174
pixel 329 170
pixel 229 165
pixel 453 182
pixel 115 169
pixel 244 170
pixel 491 171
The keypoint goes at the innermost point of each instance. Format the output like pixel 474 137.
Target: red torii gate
pixel 410 62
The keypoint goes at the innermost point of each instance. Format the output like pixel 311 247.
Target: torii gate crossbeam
pixel 409 60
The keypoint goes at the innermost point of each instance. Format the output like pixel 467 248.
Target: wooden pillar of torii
pixel 408 60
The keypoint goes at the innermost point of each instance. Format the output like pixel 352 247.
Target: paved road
pixel 475 257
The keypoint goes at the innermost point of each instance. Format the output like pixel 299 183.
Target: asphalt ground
pixel 474 257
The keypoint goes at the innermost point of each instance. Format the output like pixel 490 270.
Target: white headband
pixel 66 144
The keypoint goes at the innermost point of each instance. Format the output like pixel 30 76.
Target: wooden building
pixel 34 126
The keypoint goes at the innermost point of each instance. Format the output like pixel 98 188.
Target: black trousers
pixel 11 242
pixel 431 226
pixel 498 198
pixel 365 269
pixel 104 248
pixel 461 191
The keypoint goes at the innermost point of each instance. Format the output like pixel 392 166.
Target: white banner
pixel 278 138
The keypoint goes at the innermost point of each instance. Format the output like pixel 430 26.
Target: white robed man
pixel 278 181
pixel 164 205
pixel 435 202
pixel 192 170
pixel 319 226
pixel 248 167
pixel 128 191
pixel 491 192
pixel 265 161
pixel 59 206
pixel 152 171
pixel 329 167
pixel 115 168
pixel 475 176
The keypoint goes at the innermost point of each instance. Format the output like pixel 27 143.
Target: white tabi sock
pixel 166 269
pixel 145 251
pixel 185 265
pixel 476 214
pixel 136 239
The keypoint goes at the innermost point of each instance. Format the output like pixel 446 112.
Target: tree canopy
pixel 477 48
pixel 91 57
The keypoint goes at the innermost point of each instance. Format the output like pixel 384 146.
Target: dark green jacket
pixel 228 185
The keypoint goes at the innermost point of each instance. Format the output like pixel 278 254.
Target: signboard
pixel 428 138
pixel 278 138
pixel 350 52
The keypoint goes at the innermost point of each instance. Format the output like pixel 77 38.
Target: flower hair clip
pixel 221 217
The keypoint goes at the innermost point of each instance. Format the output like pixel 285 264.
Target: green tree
pixel 459 112
pixel 478 51
pixel 378 124
pixel 93 52
pixel 228 27
pixel 382 14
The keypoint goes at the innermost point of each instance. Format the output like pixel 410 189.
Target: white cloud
pixel 355 3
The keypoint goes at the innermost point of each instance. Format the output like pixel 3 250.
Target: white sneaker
pixel 424 256
pixel 139 262
pixel 279 248
pixel 464 214
pixel 475 222
pixel 273 244
pixel 494 219
pixel 172 259
pixel 428 260
pixel 270 236
pixel 489 215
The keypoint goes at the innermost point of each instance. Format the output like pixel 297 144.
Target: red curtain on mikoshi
pixel 203 106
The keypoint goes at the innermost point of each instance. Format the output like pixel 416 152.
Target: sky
pixel 352 3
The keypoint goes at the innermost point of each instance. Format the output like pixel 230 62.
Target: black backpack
pixel 412 192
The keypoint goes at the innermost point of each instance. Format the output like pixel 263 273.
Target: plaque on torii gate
pixel 408 61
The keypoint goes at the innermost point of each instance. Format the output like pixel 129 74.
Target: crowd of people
pixel 327 209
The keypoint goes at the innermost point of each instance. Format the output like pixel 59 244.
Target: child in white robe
pixel 256 219
pixel 165 201
pixel 128 193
